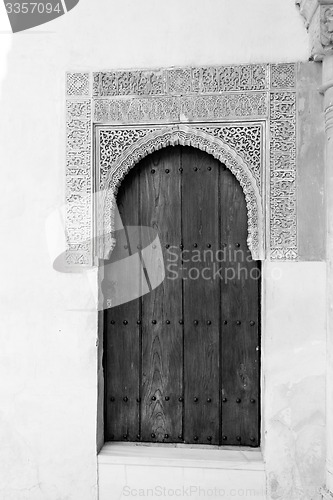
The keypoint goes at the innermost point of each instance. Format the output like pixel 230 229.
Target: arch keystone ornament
pixel 245 116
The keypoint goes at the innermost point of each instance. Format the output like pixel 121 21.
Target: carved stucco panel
pixel 78 183
pixel 283 243
pixel 173 109
pixel 247 100
pixel 175 81
pixel 77 84
pixel 247 140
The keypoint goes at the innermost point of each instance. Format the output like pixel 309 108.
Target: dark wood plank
pixel 162 343
pixel 240 321
pixel 122 333
pixel 204 205
pixel 200 202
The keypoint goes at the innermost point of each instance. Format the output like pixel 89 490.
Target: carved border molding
pixel 78 183
pixel 283 195
pixel 226 111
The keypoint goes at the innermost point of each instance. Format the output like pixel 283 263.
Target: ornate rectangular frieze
pixel 172 109
pixel 207 80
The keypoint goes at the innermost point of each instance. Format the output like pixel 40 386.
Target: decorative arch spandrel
pixel 155 139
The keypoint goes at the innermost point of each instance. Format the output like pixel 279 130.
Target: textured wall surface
pixel 49 319
pixel 311 164
pixel 294 346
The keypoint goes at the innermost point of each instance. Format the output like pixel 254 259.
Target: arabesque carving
pixel 226 111
pixel 185 136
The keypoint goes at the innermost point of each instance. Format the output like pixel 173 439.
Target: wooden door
pixel 182 363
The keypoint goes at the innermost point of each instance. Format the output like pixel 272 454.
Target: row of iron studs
pixel 167 170
pixel 181 322
pixel 195 245
pixel 180 399
pixel 180 437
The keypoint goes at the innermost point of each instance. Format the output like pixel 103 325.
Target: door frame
pixel 218 110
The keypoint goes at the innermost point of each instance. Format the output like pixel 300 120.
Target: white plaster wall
pixel 294 365
pixel 233 481
pixel 48 322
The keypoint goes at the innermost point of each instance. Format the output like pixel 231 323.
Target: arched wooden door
pixel 182 363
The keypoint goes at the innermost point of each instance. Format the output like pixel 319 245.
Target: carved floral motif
pixel 77 84
pixel 179 81
pixel 246 140
pixel 112 143
pixel 283 76
pixel 327 26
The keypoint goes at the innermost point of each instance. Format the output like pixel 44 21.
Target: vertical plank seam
pixel 140 317
pixel 182 295
pixel 219 238
pixel 106 378
pixel 259 357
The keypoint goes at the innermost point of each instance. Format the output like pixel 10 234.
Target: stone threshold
pixel 180 455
